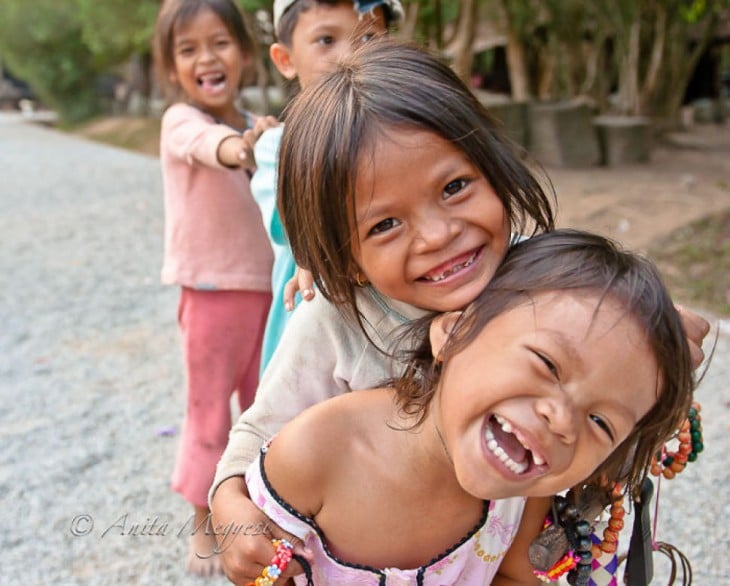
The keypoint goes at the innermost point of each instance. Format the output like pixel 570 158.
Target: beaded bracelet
pixel 282 557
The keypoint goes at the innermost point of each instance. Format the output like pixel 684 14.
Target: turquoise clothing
pixel 263 188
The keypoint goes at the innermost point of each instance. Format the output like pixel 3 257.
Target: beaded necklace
pixel 584 550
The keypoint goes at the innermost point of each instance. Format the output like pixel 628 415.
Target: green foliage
pixel 251 6
pixel 60 48
pixel 41 42
pixel 115 29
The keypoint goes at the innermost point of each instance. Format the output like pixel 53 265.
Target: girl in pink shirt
pixel 216 248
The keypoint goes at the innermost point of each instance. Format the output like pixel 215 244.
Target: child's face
pixel 544 394
pixel 208 63
pixel 324 34
pixel 430 231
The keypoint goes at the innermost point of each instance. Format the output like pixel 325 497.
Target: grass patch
pixel 695 262
pixel 140 134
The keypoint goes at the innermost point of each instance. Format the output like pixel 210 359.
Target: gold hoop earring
pixel 359 281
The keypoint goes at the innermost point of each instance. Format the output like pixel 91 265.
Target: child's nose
pixel 206 53
pixel 559 415
pixel 436 231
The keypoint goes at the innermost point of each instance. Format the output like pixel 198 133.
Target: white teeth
pixel 452 270
pixel 505 425
pixel 496 449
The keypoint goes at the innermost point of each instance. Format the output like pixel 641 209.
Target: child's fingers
pixel 244 561
pixel 290 292
pixel 261 125
pixel 293 568
pixel 696 328
pixel 306 283
pixel 264 123
pixel 301 282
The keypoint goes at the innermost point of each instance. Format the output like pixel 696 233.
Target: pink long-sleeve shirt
pixel 214 235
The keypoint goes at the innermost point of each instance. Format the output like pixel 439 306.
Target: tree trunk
pixel 438 25
pixel 407 28
pixel 546 76
pixel 461 46
pixel 651 81
pixel 594 53
pixel 628 92
pixel 518 78
pixel 683 66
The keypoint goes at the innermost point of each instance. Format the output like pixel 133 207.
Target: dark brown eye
pixel 549 364
pixel 603 425
pixel 383 226
pixel 455 186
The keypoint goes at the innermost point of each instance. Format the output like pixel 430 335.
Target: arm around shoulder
pixel 307 368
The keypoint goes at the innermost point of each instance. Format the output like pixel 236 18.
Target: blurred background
pixel 588 85
pixel 619 57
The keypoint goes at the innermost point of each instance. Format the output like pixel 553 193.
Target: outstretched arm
pixel 237 150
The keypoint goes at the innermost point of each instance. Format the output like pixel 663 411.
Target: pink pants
pixel 222 333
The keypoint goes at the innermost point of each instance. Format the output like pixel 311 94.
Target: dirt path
pixel 688 178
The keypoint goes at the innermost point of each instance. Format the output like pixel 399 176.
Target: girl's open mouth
pixel 452 267
pixel 212 81
pixel 509 446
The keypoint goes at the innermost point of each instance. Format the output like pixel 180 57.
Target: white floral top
pixel 473 561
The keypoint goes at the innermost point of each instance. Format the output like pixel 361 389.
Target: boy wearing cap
pixel 312 35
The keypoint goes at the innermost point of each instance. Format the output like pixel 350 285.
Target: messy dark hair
pixel 176 13
pixel 288 21
pixel 332 124
pixel 571 260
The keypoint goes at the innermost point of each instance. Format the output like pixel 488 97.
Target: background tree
pixel 690 27
pixel 119 31
pixel 520 22
pixel 41 42
pixel 656 45
pixel 643 50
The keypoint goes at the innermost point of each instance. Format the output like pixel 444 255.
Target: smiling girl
pixel 216 248
pixel 570 363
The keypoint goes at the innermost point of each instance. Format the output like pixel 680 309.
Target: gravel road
pixel 91 380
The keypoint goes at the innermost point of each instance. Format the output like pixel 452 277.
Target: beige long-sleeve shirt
pixel 320 355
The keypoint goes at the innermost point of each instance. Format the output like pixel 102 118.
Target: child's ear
pixel 281 58
pixel 441 328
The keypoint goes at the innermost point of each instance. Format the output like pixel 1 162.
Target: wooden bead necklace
pixel 670 463
pixel 609 544
pixel 577 562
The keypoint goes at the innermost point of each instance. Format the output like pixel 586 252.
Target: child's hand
pixel 247 548
pixel 696 327
pixel 303 282
pixel 250 136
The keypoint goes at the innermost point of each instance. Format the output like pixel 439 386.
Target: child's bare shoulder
pixel 312 449
pixel 331 424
